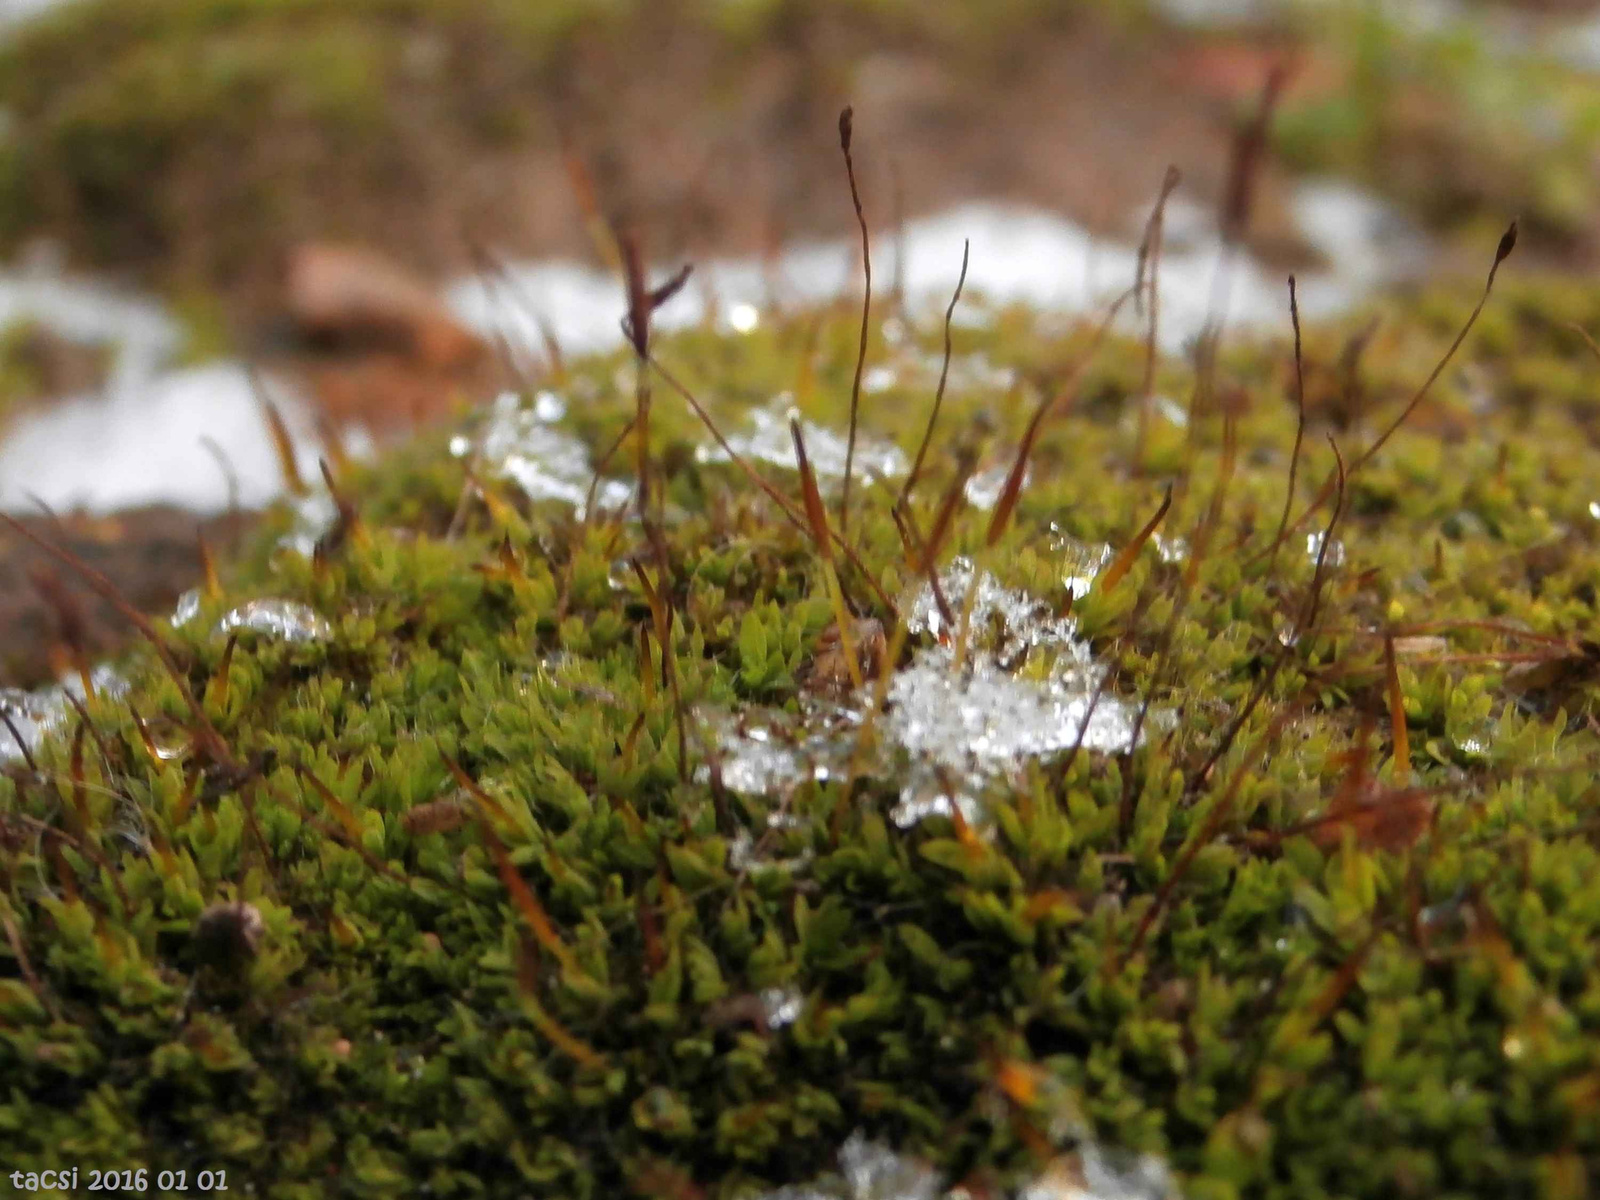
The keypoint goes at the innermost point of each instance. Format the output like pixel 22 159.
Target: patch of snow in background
pixel 1211 14
pixel 1019 254
pixel 1368 238
pixel 144 440
pixel 14 12
pixel 1578 44
pixel 142 443
pixel 91 314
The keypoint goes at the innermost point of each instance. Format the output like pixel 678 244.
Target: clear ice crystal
pixel 1335 555
pixel 314 515
pixel 187 608
pixel 1100 1174
pixel 522 444
pixel 763 753
pixel 1080 562
pixel 965 729
pixel 781 1006
pixel 869 1170
pixel 37 713
pixel 288 620
pixel 984 488
pixel 1026 621
pixel 1025 690
pixel 34 714
pixel 768 440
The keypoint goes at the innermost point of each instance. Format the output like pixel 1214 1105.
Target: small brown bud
pixel 1508 243
pixel 228 934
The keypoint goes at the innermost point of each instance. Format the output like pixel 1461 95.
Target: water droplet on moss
pixel 187 608
pixel 984 488
pixel 1171 550
pixel 314 515
pixel 285 619
pixel 548 406
pixel 743 318
pixel 1081 562
pixel 520 444
pixel 1335 555
pixel 37 713
pixel 781 1006
pixel 768 440
pixel 879 379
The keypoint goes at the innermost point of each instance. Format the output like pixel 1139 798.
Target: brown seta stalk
pixel 846 129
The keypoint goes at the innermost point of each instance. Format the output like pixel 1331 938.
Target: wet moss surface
pixel 433 868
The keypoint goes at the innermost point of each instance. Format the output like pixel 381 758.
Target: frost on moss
pixel 471 890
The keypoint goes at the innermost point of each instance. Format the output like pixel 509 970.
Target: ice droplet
pixel 743 318
pixel 768 440
pixel 284 619
pixel 1335 555
pixel 187 608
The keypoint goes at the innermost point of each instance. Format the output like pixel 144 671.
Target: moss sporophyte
pixel 618 795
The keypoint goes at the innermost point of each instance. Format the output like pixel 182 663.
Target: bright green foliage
pixel 1210 960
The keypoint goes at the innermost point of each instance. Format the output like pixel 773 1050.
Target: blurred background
pixel 346 206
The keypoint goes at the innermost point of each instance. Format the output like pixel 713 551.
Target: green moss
pixel 1317 1008
pixel 105 99
pixel 117 111
pixel 1448 121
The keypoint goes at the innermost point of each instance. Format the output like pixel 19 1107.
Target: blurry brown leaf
pixel 356 297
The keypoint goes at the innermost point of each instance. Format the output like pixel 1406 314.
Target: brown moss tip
pixel 1508 243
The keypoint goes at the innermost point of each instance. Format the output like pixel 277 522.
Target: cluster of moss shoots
pixel 506 845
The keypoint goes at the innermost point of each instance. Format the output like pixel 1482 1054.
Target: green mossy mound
pixel 365 118
pixel 1286 963
pixel 405 122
